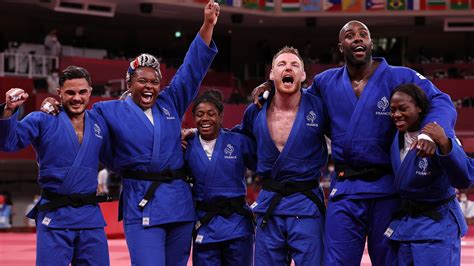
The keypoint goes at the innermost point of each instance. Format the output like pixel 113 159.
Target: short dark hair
pixel 211 96
pixel 288 50
pixel 74 72
pixel 417 94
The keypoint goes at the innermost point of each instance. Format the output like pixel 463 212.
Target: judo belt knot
pixel 289 188
pixel 414 208
pixel 165 176
pixel 224 207
pixel 76 200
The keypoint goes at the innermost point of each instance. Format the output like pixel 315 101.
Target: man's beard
pixel 353 61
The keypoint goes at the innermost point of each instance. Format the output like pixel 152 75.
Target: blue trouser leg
pixel 53 246
pixel 299 237
pixel 207 254
pixel 270 242
pixel 380 215
pixel 167 244
pixel 178 243
pixel 238 252
pixel 349 222
pixel 91 248
pixel 75 246
pixel 444 252
pixel 305 240
pixel 234 252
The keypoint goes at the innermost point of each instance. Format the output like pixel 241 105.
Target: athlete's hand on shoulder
pixel 258 94
pixel 185 134
pixel 50 106
pixel 436 132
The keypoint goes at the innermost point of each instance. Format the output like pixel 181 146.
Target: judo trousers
pixel 71 246
pixel 234 252
pixel 166 244
pixel 289 237
pixel 350 221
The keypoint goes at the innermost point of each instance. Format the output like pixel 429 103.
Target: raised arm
pixel 211 13
pixel 185 84
pixel 16 135
pixel 14 98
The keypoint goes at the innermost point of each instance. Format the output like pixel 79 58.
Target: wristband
pixel 425 137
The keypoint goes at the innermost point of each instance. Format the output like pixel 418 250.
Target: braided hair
pixel 143 60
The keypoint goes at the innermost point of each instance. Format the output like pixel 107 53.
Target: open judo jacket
pixel 302 158
pixel 138 145
pixel 65 165
pixel 361 128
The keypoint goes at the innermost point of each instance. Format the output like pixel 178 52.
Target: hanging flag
pixel 436 4
pixel 332 5
pixel 250 3
pixel 269 5
pixel 416 4
pixel 459 4
pixel 290 5
pixel 396 4
pixel 352 5
pixel 374 5
pixel 311 5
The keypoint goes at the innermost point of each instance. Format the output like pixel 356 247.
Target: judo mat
pixel 18 249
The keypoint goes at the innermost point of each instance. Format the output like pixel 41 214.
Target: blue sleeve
pixel 314 88
pixel 250 155
pixel 442 109
pixel 246 126
pixel 458 166
pixel 16 135
pixel 106 155
pixel 185 84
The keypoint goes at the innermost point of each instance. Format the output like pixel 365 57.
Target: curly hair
pixel 210 96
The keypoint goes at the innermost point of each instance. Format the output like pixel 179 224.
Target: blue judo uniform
pixel 421 238
pixel 295 227
pixel 226 239
pixel 158 232
pixel 361 134
pixel 67 234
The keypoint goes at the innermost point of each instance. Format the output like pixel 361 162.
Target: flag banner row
pixel 348 5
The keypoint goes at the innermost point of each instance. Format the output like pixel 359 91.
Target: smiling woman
pixel 217 160
pixel 143 80
pixel 428 226
pixel 208 114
